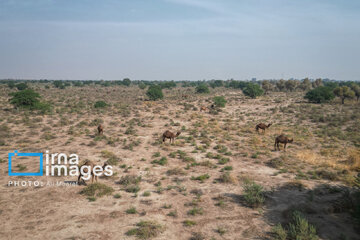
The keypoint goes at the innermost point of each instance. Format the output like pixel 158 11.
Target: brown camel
pixel 91 164
pixel 282 139
pixel 170 135
pixel 203 109
pixel 85 170
pixel 262 126
pixel 100 130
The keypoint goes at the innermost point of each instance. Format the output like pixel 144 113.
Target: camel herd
pixel 171 136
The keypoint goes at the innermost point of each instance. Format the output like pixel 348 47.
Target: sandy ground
pixel 61 212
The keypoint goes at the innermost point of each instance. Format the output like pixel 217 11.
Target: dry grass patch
pixel 146 230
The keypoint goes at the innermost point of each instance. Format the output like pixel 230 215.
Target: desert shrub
pixel 129 179
pixel 131 210
pixel 29 99
pixel 279 232
pixel 189 223
pixel 195 211
pixel 226 178
pixel 97 190
pixel 253 194
pixel 176 171
pixel 100 104
pixel 112 159
pixel 142 85
pixel 219 101
pixel 21 86
pixel 300 229
pixel 162 161
pixel 155 92
pixel 201 178
pixel 320 95
pixel 146 230
pixel 202 88
pixel 253 90
pixel 11 85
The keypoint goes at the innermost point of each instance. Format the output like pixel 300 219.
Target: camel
pixel 100 130
pixel 282 139
pixel 91 165
pixel 170 135
pixel 262 126
pixel 203 109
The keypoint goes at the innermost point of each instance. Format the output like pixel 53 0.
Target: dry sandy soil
pixel 314 175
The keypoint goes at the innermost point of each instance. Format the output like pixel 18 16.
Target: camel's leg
pixel 95 178
pixel 164 139
pixel 285 147
pixel 275 146
pixel 79 179
pixel 92 178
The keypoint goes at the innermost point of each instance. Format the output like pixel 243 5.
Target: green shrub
pixel 202 88
pixel 97 190
pixel 131 210
pixel 300 229
pixel 201 178
pixel 21 86
pixel 219 101
pixel 155 92
pixel 279 232
pixel 320 95
pixel 253 90
pixel 253 194
pixel 142 85
pixel 146 230
pixel 189 223
pixel 100 104
pixel 11 85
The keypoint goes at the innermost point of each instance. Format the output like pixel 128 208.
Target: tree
pixel 26 98
pixel 202 88
pixel 142 85
pixel 320 95
pixel 267 86
pixel 59 84
pixel 155 92
pixel 343 93
pixel 29 99
pixel 281 85
pixel 11 85
pixel 216 83
pixel 21 86
pixel 318 82
pixel 253 90
pixel 291 85
pixel 219 101
pixel 305 85
pixel 126 81
pixel 356 89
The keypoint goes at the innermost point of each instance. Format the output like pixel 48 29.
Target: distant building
pixel 253 79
